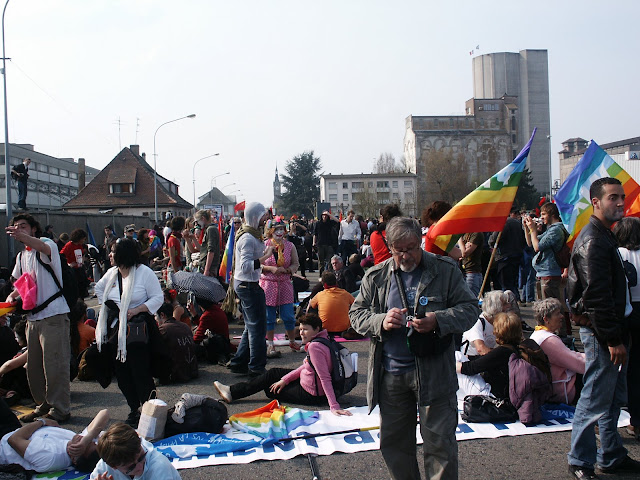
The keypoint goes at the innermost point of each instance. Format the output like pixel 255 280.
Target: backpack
pixel 344 371
pixel 529 381
pixel 466 343
pixel 208 417
pixel 69 288
pixel 563 256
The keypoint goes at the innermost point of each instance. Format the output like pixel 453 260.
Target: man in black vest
pixel 20 173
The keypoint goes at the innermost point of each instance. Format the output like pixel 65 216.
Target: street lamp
pixel 7 167
pixel 221 188
pixel 194 178
pixel 155 169
pixel 216 176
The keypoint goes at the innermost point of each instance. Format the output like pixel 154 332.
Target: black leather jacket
pixel 597 285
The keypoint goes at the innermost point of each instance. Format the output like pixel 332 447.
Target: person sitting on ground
pixel 178 339
pixel 43 446
pixel 479 339
pixel 208 316
pixel 124 455
pixel 309 384
pixel 333 304
pixel 494 366
pixel 179 312
pixel 344 276
pixel 82 335
pixel 355 267
pixel 567 366
pixel 13 375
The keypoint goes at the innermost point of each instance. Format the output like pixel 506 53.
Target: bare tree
pixel 365 202
pixel 447 176
pixel 386 163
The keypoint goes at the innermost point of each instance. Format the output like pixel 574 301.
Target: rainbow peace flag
pixel 573 197
pixel 484 210
pixel 273 421
pixel 227 258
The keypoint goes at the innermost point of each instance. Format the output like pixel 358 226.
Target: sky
pixel 270 79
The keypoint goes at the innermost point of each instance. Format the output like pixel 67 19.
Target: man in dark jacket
pixel 511 248
pixel 326 239
pixel 20 173
pixel 598 295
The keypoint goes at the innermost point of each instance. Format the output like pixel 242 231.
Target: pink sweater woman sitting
pixel 302 385
pixel 566 364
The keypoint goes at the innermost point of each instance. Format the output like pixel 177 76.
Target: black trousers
pixel 134 375
pixel 291 393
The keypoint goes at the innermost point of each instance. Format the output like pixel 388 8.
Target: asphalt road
pixel 526 457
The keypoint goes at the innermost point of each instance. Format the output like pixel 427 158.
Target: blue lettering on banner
pixel 310 441
pixel 358 438
pixel 284 446
pixel 500 426
pixel 464 428
pixel 562 421
pixel 239 453
pixel 221 454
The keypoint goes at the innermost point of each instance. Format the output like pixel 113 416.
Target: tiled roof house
pixel 125 187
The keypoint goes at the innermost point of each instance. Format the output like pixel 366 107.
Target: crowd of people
pixel 419 309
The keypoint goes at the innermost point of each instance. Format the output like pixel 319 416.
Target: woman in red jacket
pixel 378 239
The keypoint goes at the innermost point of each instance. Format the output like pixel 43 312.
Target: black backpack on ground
pixel 209 417
pixel 343 376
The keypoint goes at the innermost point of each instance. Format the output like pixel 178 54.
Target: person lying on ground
pixel 306 385
pixel 43 446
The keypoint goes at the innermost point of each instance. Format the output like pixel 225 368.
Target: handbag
pixel 487 409
pixel 421 344
pixel 137 330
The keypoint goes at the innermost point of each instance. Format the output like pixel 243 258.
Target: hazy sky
pixel 271 79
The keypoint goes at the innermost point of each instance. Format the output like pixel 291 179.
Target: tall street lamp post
pixel 7 166
pixel 155 158
pixel 212 183
pixel 194 178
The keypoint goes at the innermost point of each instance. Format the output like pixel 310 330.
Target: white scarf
pixel 125 299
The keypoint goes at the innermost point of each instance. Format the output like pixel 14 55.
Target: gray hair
pixel 403 228
pixel 337 257
pixel 492 303
pixel 545 308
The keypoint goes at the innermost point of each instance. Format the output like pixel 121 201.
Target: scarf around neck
pixel 125 299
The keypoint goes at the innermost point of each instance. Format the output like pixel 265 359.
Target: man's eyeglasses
pixel 133 466
pixel 400 253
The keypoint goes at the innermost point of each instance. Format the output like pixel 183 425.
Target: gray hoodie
pixel 248 248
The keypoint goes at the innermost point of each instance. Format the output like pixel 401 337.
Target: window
pixel 382 184
pixel 435 123
pixel 54 171
pixel 345 197
pixel 513 138
pixel 394 184
pixel 345 184
pixel 451 123
pixel 333 197
pixel 121 188
pixel 43 168
pixel 370 184
pixel 497 122
pixel 357 184
pixel 408 183
pixel 73 175
pixel 396 196
pixel 64 173
pixel 333 186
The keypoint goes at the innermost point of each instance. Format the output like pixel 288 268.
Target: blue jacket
pixel 549 243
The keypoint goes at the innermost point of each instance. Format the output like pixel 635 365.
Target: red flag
pixel 239 206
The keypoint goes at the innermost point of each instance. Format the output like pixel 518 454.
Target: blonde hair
pixel 507 327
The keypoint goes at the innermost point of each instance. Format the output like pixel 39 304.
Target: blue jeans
pixel 604 392
pixel 474 282
pixel 22 194
pixel 252 350
pixel 286 314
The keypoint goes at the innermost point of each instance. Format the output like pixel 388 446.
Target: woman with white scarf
pixel 141 294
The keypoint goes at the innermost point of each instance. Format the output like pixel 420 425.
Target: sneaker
pixel 627 464
pixel 526 327
pixel 582 473
pixel 58 418
pixel 133 419
pixel 224 391
pixel 295 346
pixel 273 353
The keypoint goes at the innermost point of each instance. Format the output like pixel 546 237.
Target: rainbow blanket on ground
pixel 256 435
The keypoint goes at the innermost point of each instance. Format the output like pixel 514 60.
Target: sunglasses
pixel 133 466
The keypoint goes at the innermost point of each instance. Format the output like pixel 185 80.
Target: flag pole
pixel 486 274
